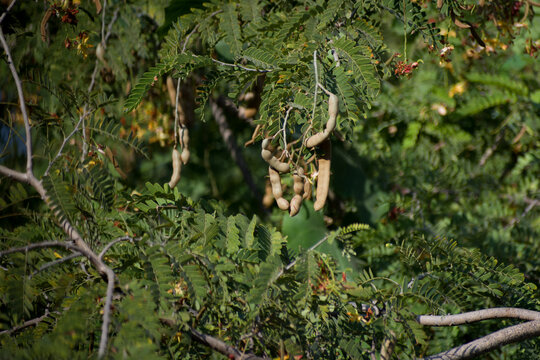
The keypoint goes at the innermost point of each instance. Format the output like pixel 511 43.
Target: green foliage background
pixel 442 165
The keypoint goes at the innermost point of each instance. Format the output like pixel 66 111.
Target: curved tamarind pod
pixel 307 190
pixel 267 156
pixel 296 203
pixel 323 179
pixel 298 184
pixel 275 181
pixel 177 167
pixel 333 107
pixel 298 187
pixel 185 146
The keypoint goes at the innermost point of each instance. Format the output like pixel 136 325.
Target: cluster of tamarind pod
pixel 301 183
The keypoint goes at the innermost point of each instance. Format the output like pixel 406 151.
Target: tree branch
pixel 222 347
pixel 56 262
pixel 236 154
pixel 16 175
pixel 25 324
pixel 112 243
pixel 474 316
pixel 4 14
pixel 22 103
pixel 490 342
pixel 41 245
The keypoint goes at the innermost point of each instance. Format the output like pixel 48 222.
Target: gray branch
pixel 491 342
pixel 474 316
pixel 25 324
pixel 223 348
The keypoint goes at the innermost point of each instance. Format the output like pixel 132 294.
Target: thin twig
pixel 114 242
pixel 56 262
pixel 4 14
pixel 40 245
pixel 292 263
pixel 66 140
pixel 26 324
pixel 241 66
pixel 22 102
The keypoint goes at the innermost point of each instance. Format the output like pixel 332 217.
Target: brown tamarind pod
pixel 296 203
pixel 307 190
pixel 277 191
pixel 185 145
pixel 177 168
pixel 318 138
pixel 171 90
pixel 298 184
pixel 268 198
pixel 269 157
pixel 323 178
pixel 439 4
pixel 43 27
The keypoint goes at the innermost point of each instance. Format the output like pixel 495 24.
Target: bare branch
pixel 22 102
pixel 235 151
pixel 16 175
pixel 241 66
pixel 490 342
pixel 25 324
pixel 474 316
pixel 114 242
pixel 7 11
pixel 292 263
pixel 40 245
pixel 222 347
pixel 111 279
pixel 56 262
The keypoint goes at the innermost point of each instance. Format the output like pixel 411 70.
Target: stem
pixel 22 102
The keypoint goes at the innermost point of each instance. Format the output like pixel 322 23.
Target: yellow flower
pixel 457 89
pixel 82 44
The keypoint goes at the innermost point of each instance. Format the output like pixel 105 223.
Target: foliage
pixel 434 201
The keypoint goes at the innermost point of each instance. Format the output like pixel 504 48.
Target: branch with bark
pixel 76 241
pixel 509 335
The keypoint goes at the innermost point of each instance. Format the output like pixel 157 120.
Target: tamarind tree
pixel 397 139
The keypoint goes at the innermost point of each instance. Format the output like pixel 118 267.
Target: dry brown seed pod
pixel 268 198
pixel 177 167
pixel 267 156
pixel 307 190
pixel 43 28
pixel 277 191
pixel 171 90
pixel 185 145
pixel 296 203
pixel 323 178
pixel 318 138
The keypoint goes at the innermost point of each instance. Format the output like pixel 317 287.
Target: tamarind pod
pixel 275 181
pixel 307 190
pixel 318 138
pixel 268 198
pixel 177 167
pixel 323 179
pixel 171 90
pixel 296 203
pixel 267 156
pixel 98 6
pixel 185 146
pixel 439 4
pixel 282 203
pixel 43 27
pixel 298 184
pixel 184 156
